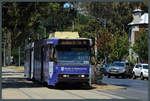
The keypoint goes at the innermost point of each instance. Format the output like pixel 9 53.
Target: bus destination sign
pixel 74 42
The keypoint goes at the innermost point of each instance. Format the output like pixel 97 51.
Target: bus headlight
pixel 82 76
pixel 63 75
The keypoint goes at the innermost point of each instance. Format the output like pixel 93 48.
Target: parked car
pixel 103 68
pixel 140 70
pixel 123 69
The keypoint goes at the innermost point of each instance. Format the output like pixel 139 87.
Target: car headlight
pixel 121 70
pixel 145 71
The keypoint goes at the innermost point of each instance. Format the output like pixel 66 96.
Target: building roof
pixel 137 10
pixel 143 20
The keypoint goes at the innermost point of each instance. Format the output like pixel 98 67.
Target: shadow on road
pixel 16 82
pixel 124 85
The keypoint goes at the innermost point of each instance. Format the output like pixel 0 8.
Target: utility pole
pixel 72 25
pixel 95 65
pixel 105 53
pixel 19 55
pixel 4 55
pixel 73 9
pixel 9 48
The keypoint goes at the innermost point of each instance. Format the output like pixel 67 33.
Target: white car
pixel 140 70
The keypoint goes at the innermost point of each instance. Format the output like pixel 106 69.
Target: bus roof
pixel 64 35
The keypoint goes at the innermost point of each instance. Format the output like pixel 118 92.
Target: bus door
pixel 51 62
pixel 32 62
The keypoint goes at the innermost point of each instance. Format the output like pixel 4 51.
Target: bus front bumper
pixel 72 80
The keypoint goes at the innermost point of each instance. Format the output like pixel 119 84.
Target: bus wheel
pixel 109 76
pixel 29 79
pixel 117 77
pixel 45 84
pixel 33 80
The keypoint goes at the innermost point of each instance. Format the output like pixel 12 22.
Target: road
pixel 137 89
pixel 15 86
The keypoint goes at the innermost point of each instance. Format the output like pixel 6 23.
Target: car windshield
pixel 145 66
pixel 69 56
pixel 118 64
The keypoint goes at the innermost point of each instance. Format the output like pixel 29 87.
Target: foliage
pixel 141 45
pixel 103 42
pixel 116 14
pixel 132 60
pixel 106 21
pixel 24 20
pixel 119 46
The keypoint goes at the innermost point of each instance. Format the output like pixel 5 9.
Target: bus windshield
pixel 73 56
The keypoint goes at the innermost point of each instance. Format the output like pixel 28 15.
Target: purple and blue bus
pixel 58 60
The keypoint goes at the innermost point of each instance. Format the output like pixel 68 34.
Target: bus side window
pixel 51 53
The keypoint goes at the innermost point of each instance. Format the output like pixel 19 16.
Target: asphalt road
pixel 136 89
pixel 15 86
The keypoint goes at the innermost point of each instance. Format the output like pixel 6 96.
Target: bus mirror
pixel 92 42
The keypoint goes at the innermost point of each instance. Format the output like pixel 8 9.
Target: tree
pixel 141 45
pixel 103 43
pixel 33 20
pixel 119 46
pixel 116 14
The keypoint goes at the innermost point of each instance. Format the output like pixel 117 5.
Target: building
pixel 140 22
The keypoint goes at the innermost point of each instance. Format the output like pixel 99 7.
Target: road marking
pixel 74 94
pixel 106 94
pixel 26 93
pixel 87 94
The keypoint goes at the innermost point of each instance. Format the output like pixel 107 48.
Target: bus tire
pixel 109 76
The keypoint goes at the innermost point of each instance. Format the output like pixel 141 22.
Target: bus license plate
pixel 113 72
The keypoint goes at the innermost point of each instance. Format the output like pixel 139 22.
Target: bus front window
pixel 78 56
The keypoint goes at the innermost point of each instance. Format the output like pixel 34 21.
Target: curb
pixel 108 87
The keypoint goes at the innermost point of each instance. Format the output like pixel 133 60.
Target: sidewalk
pixel 13 69
pixel 16 69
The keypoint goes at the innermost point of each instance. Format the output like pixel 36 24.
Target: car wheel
pixel 133 76
pixel 130 76
pixel 109 75
pixel 123 76
pixel 141 77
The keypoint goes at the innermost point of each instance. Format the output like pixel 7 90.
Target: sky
pixel 66 5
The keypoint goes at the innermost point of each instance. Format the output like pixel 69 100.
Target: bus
pixel 57 60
